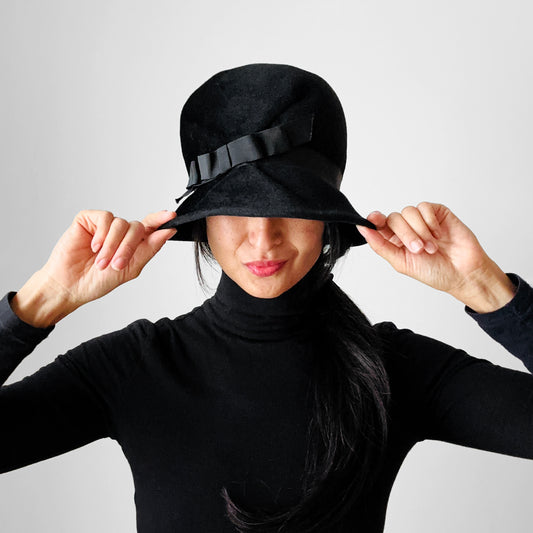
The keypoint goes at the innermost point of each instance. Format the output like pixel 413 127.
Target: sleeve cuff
pixel 521 306
pixel 512 325
pixel 11 324
pixel 17 339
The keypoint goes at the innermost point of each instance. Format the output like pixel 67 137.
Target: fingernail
pixel 416 246
pixel 118 264
pixel 430 247
pixel 101 263
pixel 95 247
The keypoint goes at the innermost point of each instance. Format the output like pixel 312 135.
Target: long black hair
pixel 348 430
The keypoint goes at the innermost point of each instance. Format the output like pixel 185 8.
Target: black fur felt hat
pixel 264 140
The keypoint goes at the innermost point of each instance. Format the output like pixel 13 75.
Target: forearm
pixel 486 290
pixel 41 302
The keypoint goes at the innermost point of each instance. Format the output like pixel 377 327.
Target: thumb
pixel 152 244
pixel 381 246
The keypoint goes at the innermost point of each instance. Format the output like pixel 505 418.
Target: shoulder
pixel 406 342
pixel 420 360
pixel 138 346
pixel 145 332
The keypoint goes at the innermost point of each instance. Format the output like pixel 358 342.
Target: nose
pixel 264 233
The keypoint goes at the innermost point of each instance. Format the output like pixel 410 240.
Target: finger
pixel 96 224
pixel 103 223
pixel 428 212
pixel 151 245
pixel 405 232
pixel 127 247
pixel 157 239
pixel 380 221
pixel 416 221
pixel 154 220
pixel 411 230
pixel 117 230
pixel 390 252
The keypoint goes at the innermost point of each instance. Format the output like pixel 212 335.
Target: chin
pixel 266 289
pixel 262 293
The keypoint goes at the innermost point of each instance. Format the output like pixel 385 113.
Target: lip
pixel 263 269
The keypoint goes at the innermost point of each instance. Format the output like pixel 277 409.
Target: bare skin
pixel 265 256
pixel 99 252
pixel 430 244
pixel 96 254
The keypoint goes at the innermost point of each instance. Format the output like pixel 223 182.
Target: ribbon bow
pixel 251 147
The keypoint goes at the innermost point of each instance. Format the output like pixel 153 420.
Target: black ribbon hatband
pixel 257 145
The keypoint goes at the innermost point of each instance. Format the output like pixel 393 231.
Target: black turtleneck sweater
pixel 219 398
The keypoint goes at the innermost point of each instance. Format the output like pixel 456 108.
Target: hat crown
pixel 255 97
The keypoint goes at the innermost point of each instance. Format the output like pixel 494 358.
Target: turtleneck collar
pixel 292 313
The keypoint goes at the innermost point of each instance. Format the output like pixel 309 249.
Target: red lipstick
pixel 264 269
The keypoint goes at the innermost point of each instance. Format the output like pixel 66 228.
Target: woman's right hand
pixel 96 254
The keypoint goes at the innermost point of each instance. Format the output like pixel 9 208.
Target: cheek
pixel 310 242
pixel 314 253
pixel 222 237
pixel 314 236
pixel 214 232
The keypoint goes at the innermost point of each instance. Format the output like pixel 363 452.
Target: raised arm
pixel 450 395
pixel 66 404
pixel 430 244
pixel 96 254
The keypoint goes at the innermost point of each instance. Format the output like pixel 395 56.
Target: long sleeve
pixel 219 398
pixel 512 325
pixel 445 394
pixel 67 403
pixel 18 338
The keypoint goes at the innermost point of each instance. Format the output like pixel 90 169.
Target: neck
pixel 289 314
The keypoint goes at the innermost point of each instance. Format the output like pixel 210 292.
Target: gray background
pixel 437 98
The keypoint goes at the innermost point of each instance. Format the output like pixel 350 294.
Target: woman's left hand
pixel 430 244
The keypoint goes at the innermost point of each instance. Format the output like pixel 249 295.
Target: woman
pixel 275 406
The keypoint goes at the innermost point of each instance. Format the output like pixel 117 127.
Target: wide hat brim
pixel 273 187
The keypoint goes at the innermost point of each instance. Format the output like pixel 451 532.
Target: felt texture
pixel 301 183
